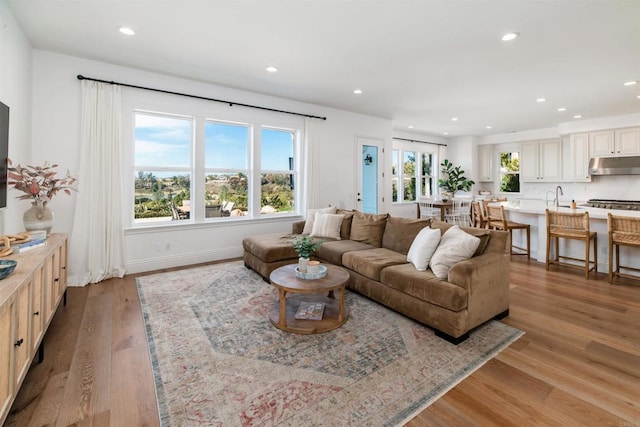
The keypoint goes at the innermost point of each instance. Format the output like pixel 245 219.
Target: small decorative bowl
pixel 6 267
pixel 322 272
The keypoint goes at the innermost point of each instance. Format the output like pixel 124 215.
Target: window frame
pixel 509 150
pixel 419 149
pixel 255 120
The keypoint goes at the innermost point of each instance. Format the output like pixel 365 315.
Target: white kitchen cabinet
pixel 576 165
pixel 541 161
pixel 614 143
pixel 485 163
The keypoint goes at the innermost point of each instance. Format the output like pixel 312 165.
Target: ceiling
pixel 419 63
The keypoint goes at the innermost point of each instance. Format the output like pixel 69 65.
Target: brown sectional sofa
pixel 477 289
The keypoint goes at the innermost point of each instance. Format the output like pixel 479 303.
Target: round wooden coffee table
pixel 282 315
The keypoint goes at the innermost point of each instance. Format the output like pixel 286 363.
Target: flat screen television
pixel 4 153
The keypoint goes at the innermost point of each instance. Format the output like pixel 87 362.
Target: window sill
pixel 192 225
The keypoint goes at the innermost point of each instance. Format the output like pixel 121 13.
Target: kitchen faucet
pixel 558 188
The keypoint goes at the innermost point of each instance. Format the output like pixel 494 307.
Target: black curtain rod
pixel 231 104
pixel 424 142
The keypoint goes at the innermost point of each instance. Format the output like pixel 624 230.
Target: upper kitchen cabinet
pixel 576 164
pixel 612 143
pixel 485 163
pixel 541 161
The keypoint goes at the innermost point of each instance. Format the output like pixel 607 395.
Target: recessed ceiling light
pixel 454 119
pixel 638 96
pixel 126 30
pixel 489 127
pixel 272 69
pixel 562 109
pixel 410 126
pixel 577 116
pixel 445 133
pixel 357 91
pixel 631 83
pixel 510 36
pixel 541 100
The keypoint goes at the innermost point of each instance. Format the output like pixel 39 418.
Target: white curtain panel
pixel 312 129
pixel 96 247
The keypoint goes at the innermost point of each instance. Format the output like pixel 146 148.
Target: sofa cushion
pixel 311 216
pixel 399 233
pixel 368 228
pixel 423 248
pixel 425 286
pixel 271 247
pixel 482 233
pixel 327 225
pixel 455 246
pixel 345 230
pixel 370 262
pixel 332 251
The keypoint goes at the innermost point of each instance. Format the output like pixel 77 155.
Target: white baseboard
pixel 184 259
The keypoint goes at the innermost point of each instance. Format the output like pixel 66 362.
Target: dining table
pixel 443 205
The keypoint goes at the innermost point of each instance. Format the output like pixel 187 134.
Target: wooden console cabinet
pixel 29 298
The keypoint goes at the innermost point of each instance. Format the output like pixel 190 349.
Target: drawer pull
pixel 56 279
pixel 37 313
pixel 19 342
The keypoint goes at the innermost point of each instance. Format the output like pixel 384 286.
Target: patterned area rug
pixel 217 359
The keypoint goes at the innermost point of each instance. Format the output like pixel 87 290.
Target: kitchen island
pixel 532 212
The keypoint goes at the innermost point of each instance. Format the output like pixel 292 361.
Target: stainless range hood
pixel 615 165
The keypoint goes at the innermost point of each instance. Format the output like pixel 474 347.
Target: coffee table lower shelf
pixel 330 320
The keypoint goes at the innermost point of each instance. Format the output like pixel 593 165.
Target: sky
pixel 165 142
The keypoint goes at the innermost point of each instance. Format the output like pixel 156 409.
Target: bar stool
pixel 623 231
pixel 574 226
pixel 497 220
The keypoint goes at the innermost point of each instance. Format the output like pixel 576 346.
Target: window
pixel 510 172
pixel 417 167
pixel 234 170
pixel 163 146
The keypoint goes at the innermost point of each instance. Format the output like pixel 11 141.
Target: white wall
pixel 56 122
pixel 15 91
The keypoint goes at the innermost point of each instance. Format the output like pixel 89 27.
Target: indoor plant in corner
pixel 39 183
pixel 305 247
pixel 453 178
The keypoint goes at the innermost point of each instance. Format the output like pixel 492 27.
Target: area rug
pixel 217 359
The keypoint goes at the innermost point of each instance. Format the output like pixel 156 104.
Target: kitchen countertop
pixel 537 207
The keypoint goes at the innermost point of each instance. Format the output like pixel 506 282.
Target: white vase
pixel 302 264
pixel 38 217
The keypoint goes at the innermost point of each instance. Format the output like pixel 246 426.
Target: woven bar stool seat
pixel 574 226
pixel 623 231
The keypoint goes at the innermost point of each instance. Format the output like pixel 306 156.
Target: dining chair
pixel 460 213
pixel 427 210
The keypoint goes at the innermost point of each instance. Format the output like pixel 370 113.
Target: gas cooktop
pixel 614 204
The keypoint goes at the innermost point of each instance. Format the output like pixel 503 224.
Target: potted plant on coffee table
pixel 305 246
pixel 453 178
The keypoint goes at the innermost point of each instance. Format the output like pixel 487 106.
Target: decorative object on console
pixel 9 240
pixel 39 183
pixel 453 179
pixel 305 247
pixel 6 267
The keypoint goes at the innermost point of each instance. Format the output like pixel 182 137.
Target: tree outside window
pixel 510 172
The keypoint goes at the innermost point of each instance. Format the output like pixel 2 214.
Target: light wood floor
pixel 578 363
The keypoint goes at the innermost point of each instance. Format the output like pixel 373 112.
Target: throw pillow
pixel 311 215
pixel 345 230
pixel 368 228
pixel 455 246
pixel 423 248
pixel 327 225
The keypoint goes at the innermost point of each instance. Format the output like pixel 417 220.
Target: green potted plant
pixel 453 178
pixel 305 247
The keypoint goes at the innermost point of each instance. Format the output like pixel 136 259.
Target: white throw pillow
pixel 455 246
pixel 423 247
pixel 311 215
pixel 327 225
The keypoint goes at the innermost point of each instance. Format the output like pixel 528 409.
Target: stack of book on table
pixel 37 241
